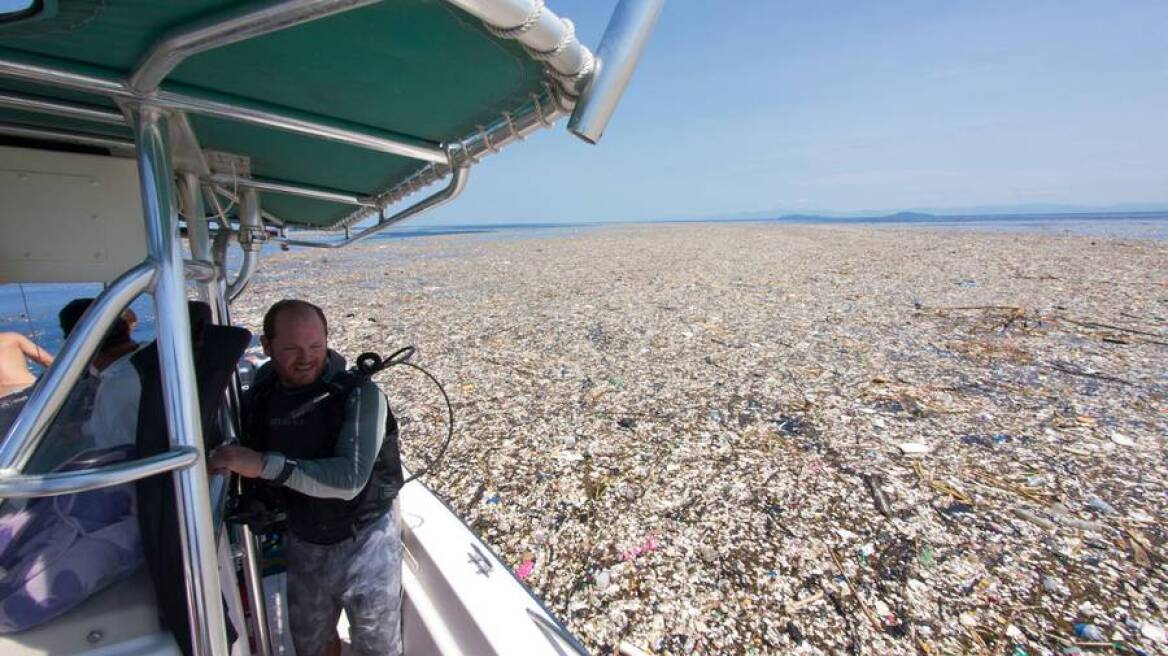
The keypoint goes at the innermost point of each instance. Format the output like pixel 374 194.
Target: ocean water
pixel 1131 225
pixel 32 308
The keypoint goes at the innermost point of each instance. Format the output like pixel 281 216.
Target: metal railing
pixel 181 403
pixel 232 109
pixel 24 486
pixel 445 195
pixel 61 108
pixel 66 136
pixel 280 187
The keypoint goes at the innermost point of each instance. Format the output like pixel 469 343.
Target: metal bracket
pixel 229 163
pixel 482 564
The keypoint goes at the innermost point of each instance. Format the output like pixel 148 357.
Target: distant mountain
pixel 925 213
pixel 908 216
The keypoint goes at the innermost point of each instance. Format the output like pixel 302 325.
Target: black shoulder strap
pixel 341 385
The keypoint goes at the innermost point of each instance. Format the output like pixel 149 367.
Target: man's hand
pixel 238 459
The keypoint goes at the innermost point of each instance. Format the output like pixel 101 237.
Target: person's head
pixel 119 334
pixel 296 339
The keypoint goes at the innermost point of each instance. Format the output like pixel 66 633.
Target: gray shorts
pixel 361 575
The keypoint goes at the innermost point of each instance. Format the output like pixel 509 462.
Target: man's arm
pixel 339 477
pixel 15 350
pixel 32 351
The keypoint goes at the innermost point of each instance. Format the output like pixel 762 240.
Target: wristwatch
pixel 289 467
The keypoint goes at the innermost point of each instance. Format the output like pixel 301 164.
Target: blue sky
pixel 747 106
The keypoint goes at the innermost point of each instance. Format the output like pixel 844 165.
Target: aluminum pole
pixel 624 39
pixel 200 567
pixel 249 224
pixel 253 581
pixel 290 189
pixel 71 482
pixel 245 111
pixel 66 136
pixel 197 233
pixel 438 198
pixel 61 108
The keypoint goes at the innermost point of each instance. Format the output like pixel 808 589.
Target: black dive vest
pixel 274 425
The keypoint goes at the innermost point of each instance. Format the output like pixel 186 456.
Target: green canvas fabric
pixel 412 67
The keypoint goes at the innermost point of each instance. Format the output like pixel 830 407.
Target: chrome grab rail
pixel 66 136
pixel 50 392
pixel 441 197
pixel 196 531
pixel 25 486
pixel 61 108
pixel 235 109
pixel 281 187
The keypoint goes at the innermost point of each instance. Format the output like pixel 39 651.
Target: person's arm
pixel 32 351
pixel 340 477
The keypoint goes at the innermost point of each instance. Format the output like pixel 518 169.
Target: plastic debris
pixel 873 484
pixel 1053 585
pixel 808 344
pixel 1101 505
pixel 524 570
pixel 926 557
pixel 1122 440
pixel 648 545
pixel 629 649
pixel 1153 632
pixel 1035 519
pixel 795 633
pixel 914 448
pixel 603 579
pixel 1088 632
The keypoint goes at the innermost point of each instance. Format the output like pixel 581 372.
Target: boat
pixel 157 147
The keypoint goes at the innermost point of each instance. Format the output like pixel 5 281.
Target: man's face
pixel 299 349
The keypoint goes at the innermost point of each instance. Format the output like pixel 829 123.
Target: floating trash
pixel 1088 632
pixel 1122 440
pixel 914 448
pixel 823 350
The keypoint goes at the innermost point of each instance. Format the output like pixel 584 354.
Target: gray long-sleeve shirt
pixel 345 473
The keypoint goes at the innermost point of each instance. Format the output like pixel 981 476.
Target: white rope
pixel 557 94
pixel 516 31
pixel 486 138
pixel 539 110
pixel 564 42
pixel 571 82
pixel 511 126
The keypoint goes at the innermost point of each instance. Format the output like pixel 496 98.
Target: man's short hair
pixel 119 332
pixel 290 305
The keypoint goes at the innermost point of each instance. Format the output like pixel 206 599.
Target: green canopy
pixel 422 71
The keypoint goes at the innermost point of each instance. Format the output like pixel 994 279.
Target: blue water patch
pixel 1139 225
pixel 31 309
pixel 489 230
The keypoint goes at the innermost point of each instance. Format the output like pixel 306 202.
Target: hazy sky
pixel 759 105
